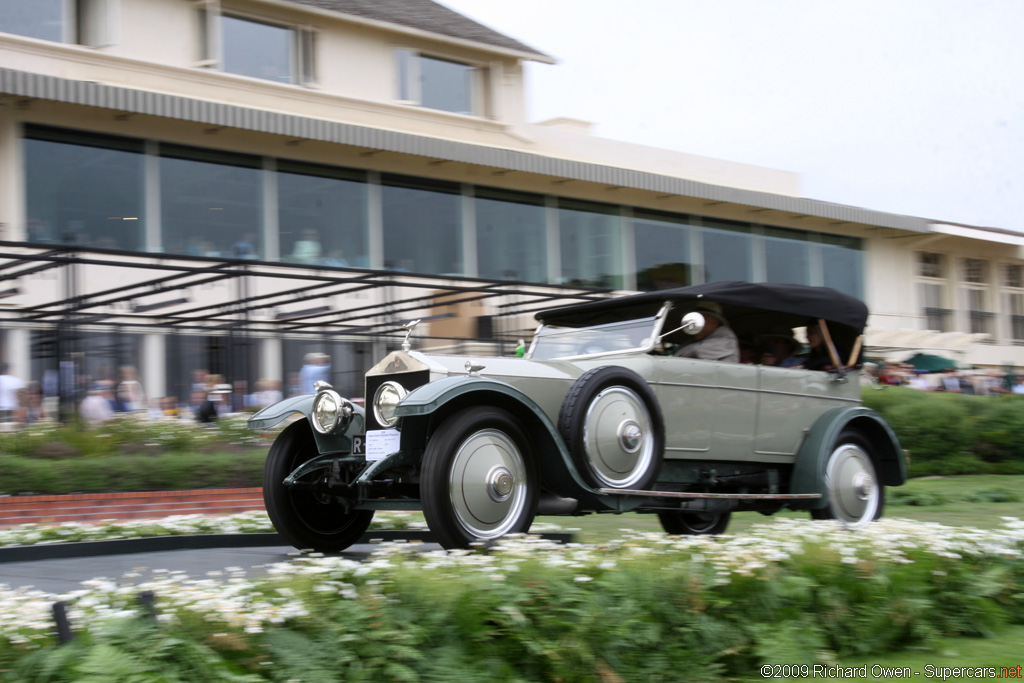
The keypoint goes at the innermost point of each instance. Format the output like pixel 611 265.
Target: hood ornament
pixel 409 327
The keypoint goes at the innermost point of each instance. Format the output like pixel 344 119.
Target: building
pixel 232 184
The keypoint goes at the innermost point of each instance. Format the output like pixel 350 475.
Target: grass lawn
pixel 957 508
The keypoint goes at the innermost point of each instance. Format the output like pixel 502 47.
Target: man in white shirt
pixel 95 409
pixel 9 388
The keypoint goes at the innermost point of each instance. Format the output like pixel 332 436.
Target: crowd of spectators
pixel 97 400
pixel 973 381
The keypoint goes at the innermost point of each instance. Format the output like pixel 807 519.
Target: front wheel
pixel 309 520
pixel 694 523
pixel 478 480
pixel 855 496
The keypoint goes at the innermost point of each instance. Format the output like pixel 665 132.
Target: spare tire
pixel 612 425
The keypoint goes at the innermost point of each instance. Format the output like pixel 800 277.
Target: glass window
pixel 510 236
pixel 322 215
pixel 83 359
pixel 787 256
pixel 259 50
pixel 728 252
pixel 344 368
pixel 1013 275
pixel 933 303
pixel 843 263
pixel 1015 312
pixel 211 202
pixel 662 247
pixel 979 316
pixel 84 188
pixel 43 19
pixel 974 270
pixel 590 238
pixel 437 83
pixel 930 264
pixel 422 225
pixel 194 361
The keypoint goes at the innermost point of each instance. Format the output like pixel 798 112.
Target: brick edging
pixel 124 505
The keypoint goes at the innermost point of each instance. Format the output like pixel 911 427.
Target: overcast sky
pixel 905 106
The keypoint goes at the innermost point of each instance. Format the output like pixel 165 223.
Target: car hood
pixel 489 366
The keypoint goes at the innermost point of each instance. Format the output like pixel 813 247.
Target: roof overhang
pixel 899 343
pixel 392 27
pixel 128 100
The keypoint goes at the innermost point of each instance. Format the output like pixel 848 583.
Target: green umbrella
pixel 930 363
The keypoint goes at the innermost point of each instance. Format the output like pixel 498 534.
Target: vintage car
pixel 599 416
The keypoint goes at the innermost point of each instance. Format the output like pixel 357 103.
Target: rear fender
pixel 427 406
pixel 808 474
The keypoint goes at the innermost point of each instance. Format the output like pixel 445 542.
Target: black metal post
pixel 60 617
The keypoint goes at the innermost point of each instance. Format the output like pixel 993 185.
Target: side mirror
pixel 693 323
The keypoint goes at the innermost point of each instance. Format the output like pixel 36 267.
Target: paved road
pixel 64 575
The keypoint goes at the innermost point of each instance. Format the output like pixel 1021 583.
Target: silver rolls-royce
pixel 610 410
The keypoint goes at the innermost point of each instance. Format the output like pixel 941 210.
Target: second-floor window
pixel 258 49
pixel 437 83
pixel 255 48
pixel 85 22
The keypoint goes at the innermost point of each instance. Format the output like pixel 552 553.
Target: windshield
pixel 618 337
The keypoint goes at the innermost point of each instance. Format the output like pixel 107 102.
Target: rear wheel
pixel 855 496
pixel 478 480
pixel 306 519
pixel 694 523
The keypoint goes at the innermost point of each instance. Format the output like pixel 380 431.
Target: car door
pixel 709 407
pixel 791 400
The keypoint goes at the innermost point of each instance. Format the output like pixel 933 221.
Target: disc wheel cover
pixel 488 484
pixel 618 438
pixel 852 485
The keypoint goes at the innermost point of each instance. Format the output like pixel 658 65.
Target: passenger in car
pixel 818 357
pixel 779 348
pixel 716 341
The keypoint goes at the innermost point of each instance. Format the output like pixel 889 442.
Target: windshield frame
pixel 646 347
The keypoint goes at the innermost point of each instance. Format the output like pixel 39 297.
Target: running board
pixel 727 496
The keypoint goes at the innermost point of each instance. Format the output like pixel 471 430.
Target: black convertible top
pixel 750 308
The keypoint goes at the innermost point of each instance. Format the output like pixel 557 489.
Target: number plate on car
pixel 376 443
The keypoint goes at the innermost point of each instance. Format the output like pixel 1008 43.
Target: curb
pixel 127 546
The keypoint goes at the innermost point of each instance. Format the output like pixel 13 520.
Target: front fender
pixel 445 396
pixel 274 414
pixel 303 405
pixel 808 474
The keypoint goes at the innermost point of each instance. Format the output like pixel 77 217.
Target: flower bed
pixel 644 608
pixel 255 522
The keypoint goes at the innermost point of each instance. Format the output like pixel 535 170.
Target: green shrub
pixel 993 496
pixel 20 475
pixel 903 496
pixel 954 433
pixel 129 433
pixel 999 431
pixel 930 430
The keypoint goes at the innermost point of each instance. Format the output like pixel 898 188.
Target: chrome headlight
pixel 331 412
pixel 386 400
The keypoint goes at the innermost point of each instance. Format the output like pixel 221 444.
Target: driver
pixel 716 341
